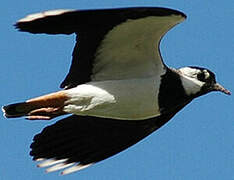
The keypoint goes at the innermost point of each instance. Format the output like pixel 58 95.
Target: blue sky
pixel 196 144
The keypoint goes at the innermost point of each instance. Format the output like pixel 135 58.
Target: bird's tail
pixel 16 110
pixel 43 107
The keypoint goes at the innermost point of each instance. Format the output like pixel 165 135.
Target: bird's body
pixel 116 99
pixel 118 88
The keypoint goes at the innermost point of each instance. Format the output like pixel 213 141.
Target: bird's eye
pixel 201 76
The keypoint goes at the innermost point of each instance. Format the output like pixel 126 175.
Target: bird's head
pixel 198 81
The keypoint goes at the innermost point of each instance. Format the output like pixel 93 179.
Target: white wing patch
pixel 59 167
pixel 50 162
pixel 40 15
pixel 131 49
pixel 75 168
pixel 55 165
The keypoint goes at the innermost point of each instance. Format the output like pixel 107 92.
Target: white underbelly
pixel 133 99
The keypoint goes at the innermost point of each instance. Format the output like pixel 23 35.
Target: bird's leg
pixel 45 113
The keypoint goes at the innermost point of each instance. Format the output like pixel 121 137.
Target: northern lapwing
pixel 118 89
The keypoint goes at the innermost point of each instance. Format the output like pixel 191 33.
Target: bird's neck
pixel 172 92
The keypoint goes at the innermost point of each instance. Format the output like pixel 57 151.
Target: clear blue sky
pixel 196 144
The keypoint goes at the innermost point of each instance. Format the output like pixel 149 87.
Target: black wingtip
pixel 16 25
pixel 163 11
pixel 183 15
pixel 20 27
pixel 23 27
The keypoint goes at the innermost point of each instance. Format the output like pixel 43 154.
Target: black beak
pixel 218 87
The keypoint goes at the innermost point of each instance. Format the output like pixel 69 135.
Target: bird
pixel 118 89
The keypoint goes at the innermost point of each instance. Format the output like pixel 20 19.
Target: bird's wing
pixel 111 43
pixel 80 141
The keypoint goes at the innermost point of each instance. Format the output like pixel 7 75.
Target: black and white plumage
pixel 118 88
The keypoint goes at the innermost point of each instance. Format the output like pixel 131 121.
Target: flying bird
pixel 118 89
